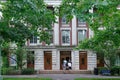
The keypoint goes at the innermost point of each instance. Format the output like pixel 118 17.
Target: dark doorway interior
pixel 64 55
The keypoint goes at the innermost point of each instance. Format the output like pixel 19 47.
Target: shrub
pixel 5 71
pixel 115 70
pixel 10 71
pixel 28 71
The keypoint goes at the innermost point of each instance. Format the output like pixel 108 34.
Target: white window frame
pixel 63 20
pixel 67 34
pixel 34 42
pixel 84 34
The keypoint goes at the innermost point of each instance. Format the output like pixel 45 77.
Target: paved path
pixel 61 76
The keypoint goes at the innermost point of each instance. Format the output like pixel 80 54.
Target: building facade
pixel 64 40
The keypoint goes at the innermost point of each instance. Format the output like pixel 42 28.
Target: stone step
pixel 65 72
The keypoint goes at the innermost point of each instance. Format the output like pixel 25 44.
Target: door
pixel 64 55
pixel 100 60
pixel 83 60
pixel 48 60
pixel 30 59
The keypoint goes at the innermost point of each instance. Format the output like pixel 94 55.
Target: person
pixel 64 64
pixel 70 65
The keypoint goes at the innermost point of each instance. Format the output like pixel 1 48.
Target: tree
pixel 105 16
pixel 21 55
pixel 21 19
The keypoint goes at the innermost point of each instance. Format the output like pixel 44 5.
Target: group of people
pixel 67 65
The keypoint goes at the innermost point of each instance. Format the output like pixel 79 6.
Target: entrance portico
pixel 52 59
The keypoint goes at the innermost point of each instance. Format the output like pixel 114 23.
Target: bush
pixel 115 70
pixel 5 71
pixel 10 71
pixel 28 71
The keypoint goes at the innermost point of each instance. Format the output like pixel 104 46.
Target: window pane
pixel 66 36
pixel 64 20
pixel 13 60
pixel 33 39
pixel 51 36
pixel 81 21
pixel 82 34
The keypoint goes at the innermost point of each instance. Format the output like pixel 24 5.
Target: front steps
pixel 64 72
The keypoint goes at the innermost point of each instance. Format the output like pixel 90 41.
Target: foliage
pixel 4 53
pixel 21 56
pixel 103 18
pixel 104 43
pixel 22 18
pixel 10 71
pixel 115 70
pixel 28 71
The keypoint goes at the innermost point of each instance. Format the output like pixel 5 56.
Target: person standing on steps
pixel 64 64
pixel 69 65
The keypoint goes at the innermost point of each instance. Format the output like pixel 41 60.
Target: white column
pixel 73 59
pixel 58 62
pixel 56 32
pixel 76 62
pixel 74 31
pixel 55 60
pixel 39 60
pixel 91 60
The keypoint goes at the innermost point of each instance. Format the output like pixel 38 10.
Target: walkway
pixel 61 76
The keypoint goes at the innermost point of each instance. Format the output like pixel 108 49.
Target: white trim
pixel 81 28
pixel 65 28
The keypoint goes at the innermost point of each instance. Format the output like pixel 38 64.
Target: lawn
pixel 27 79
pixel 97 79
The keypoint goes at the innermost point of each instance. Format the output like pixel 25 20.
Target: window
pixel 51 36
pixel 81 21
pixel 13 60
pixel 117 61
pixel 82 34
pixel 64 21
pixel 65 36
pixel 33 39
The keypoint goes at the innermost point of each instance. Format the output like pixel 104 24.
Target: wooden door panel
pixel 48 60
pixel 83 60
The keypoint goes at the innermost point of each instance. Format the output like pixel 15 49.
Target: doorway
pixel 83 60
pixel 30 59
pixel 100 60
pixel 64 55
pixel 47 60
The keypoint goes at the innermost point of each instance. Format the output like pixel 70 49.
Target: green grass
pixel 97 79
pixel 27 79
